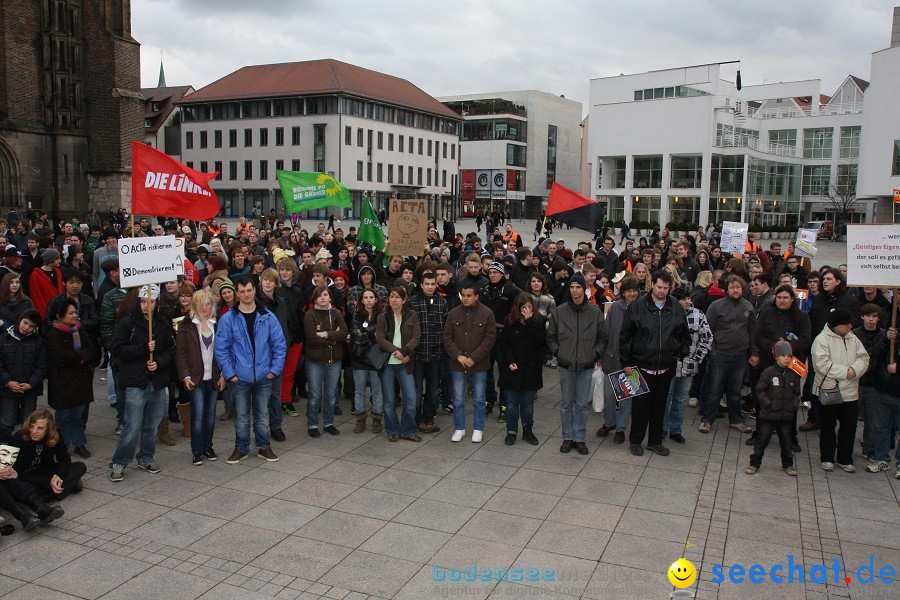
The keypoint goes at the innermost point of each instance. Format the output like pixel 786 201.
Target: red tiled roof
pixel 314 77
pixel 166 98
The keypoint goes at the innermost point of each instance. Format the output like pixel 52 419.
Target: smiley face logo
pixel 682 573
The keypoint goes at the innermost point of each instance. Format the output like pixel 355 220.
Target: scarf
pixel 75 332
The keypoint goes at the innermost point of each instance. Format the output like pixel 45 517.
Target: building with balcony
pixel 379 135
pixel 513 146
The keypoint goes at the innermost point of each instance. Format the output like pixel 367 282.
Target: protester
pixel 523 344
pixel 398 333
pixel 325 332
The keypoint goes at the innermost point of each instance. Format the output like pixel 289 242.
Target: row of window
pixel 423 176
pixel 817 142
pixel 248 168
pixel 366 138
pixel 248 138
pixel 817 180
pixel 678 91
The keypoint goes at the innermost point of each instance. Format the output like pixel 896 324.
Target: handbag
pixel 830 397
pixel 377 357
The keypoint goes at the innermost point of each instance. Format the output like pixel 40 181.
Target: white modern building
pixel 514 145
pixel 379 135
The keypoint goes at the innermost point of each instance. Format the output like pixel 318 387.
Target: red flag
pixel 162 186
pixel 571 208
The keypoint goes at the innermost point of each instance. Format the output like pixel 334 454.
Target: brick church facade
pixel 70 104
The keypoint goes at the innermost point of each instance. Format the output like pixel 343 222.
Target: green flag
pixel 308 191
pixel 370 227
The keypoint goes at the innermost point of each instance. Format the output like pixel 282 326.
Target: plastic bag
pixel 598 390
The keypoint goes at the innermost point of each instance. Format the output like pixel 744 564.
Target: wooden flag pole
pixel 894 324
pixel 152 304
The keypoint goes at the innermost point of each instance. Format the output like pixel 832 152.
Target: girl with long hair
pixel 522 344
pixel 397 332
pixel 362 339
pixel 13 301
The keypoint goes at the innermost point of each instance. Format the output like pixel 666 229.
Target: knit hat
pixel 340 274
pixel 496 266
pixel 839 316
pixel 279 253
pixel 782 348
pixel 227 284
pixel 11 252
pixel 681 292
pixel 49 255
pixel 323 253
pixel 152 289
pixel 186 230
pixel 579 279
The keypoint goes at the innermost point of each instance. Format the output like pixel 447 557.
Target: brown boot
pixel 162 433
pixel 360 423
pixel 184 415
pixel 228 415
pixel 376 424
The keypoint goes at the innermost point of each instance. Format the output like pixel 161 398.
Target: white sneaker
pixel 846 468
pixel 897 474
pixel 827 466
pixel 693 402
pixel 476 436
pixel 458 435
pixel 878 467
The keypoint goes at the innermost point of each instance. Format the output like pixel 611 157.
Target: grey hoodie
pixel 732 323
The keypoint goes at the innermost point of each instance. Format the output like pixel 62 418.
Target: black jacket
pixel 778 391
pixel 824 303
pixel 37 462
pixel 876 344
pixel 130 353
pixel 654 338
pixel 499 298
pixel 70 381
pixel 22 359
pixel 774 324
pixel 524 346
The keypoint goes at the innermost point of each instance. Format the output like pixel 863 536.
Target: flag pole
pixel 152 305
pixel 894 324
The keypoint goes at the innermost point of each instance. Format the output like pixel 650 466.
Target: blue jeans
pixel 678 394
pixel 519 403
pixel 360 378
pixel 394 374
pixel 203 416
pixel 70 422
pixel 110 385
pixel 322 380
pixel 275 413
pixel 14 410
pixel 610 418
pixel 883 418
pixel 445 393
pixel 120 394
pixel 251 395
pixel 724 374
pixel 479 381
pixel 144 409
pixel 490 389
pixel 576 392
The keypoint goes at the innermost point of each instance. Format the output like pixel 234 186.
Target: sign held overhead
pixel 144 260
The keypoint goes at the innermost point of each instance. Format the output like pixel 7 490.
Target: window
pixel 148 122
pixel 295 164
pixel 369 139
pixel 359 137
pixel 850 141
pixel 379 175
pixel 429 147
pixel 815 180
pixel 263 136
pixel 684 209
pixel 368 171
pixel 248 138
pixel 817 143
pixel 409 173
pixel 444 150
pixel 190 164
pixel 390 142
pixel 846 180
pixel 687 171
pixel 232 170
pixel 217 167
pixel 419 174
pixel 279 136
pixel 203 140
pixel 726 175
pixel 421 145
pixel 551 155
pixel 232 138
pixel 645 208
pixel 204 166
pixel 279 165
pixel 381 140
pixel 453 151
pixel 248 169
pixel 359 170
pixel 319 147
pixel 429 177
pixel 390 173
pixel 895 168
pixel 515 155
pixel 263 169
pixel 400 141
pixel 348 135
pixel 400 174
pixel 647 172
pixel 782 139
pixel 444 178
pixel 295 136
pixel 217 138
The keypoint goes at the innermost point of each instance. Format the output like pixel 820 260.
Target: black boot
pixel 46 513
pixel 27 518
pixel 528 436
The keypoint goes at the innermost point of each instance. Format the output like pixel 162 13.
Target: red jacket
pixel 41 289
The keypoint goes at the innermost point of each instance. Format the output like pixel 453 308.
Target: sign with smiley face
pixel 407 226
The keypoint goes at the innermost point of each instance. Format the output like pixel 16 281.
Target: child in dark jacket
pixel 778 391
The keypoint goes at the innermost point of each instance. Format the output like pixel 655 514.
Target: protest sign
pixel 734 237
pixel 873 255
pixel 144 260
pixel 407 227
pixel 628 383
pixel 805 246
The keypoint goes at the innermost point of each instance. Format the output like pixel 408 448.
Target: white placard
pixel 805 246
pixel 144 260
pixel 873 255
pixel 734 237
pixel 179 245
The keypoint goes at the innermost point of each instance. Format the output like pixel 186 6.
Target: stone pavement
pixel 358 517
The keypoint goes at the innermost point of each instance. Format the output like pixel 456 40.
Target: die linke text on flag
pixel 160 185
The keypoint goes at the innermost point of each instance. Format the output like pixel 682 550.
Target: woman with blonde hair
pixel 199 372
pixel 642 274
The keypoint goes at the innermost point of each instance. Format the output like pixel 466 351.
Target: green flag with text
pixel 370 227
pixel 307 191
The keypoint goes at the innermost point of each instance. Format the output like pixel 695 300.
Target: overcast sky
pixel 471 46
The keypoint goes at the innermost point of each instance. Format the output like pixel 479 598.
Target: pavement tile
pixel 279 515
pixel 432 514
pixel 580 542
pixel 405 541
pixel 178 528
pixel 341 528
pixel 236 543
pixel 302 557
pixel 509 528
pixel 158 582
pixel 384 575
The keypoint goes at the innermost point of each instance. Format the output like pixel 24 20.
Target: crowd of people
pixel 266 316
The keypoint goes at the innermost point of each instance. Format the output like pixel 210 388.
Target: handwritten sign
pixel 407 227
pixel 734 237
pixel 805 246
pixel 873 255
pixel 144 260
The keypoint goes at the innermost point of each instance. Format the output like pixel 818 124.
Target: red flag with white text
pixel 162 186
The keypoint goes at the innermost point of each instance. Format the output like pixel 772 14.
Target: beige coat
pixel 832 355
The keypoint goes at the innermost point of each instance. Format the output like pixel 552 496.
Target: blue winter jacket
pixel 235 354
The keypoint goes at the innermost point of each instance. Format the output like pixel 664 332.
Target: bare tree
pixel 840 197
